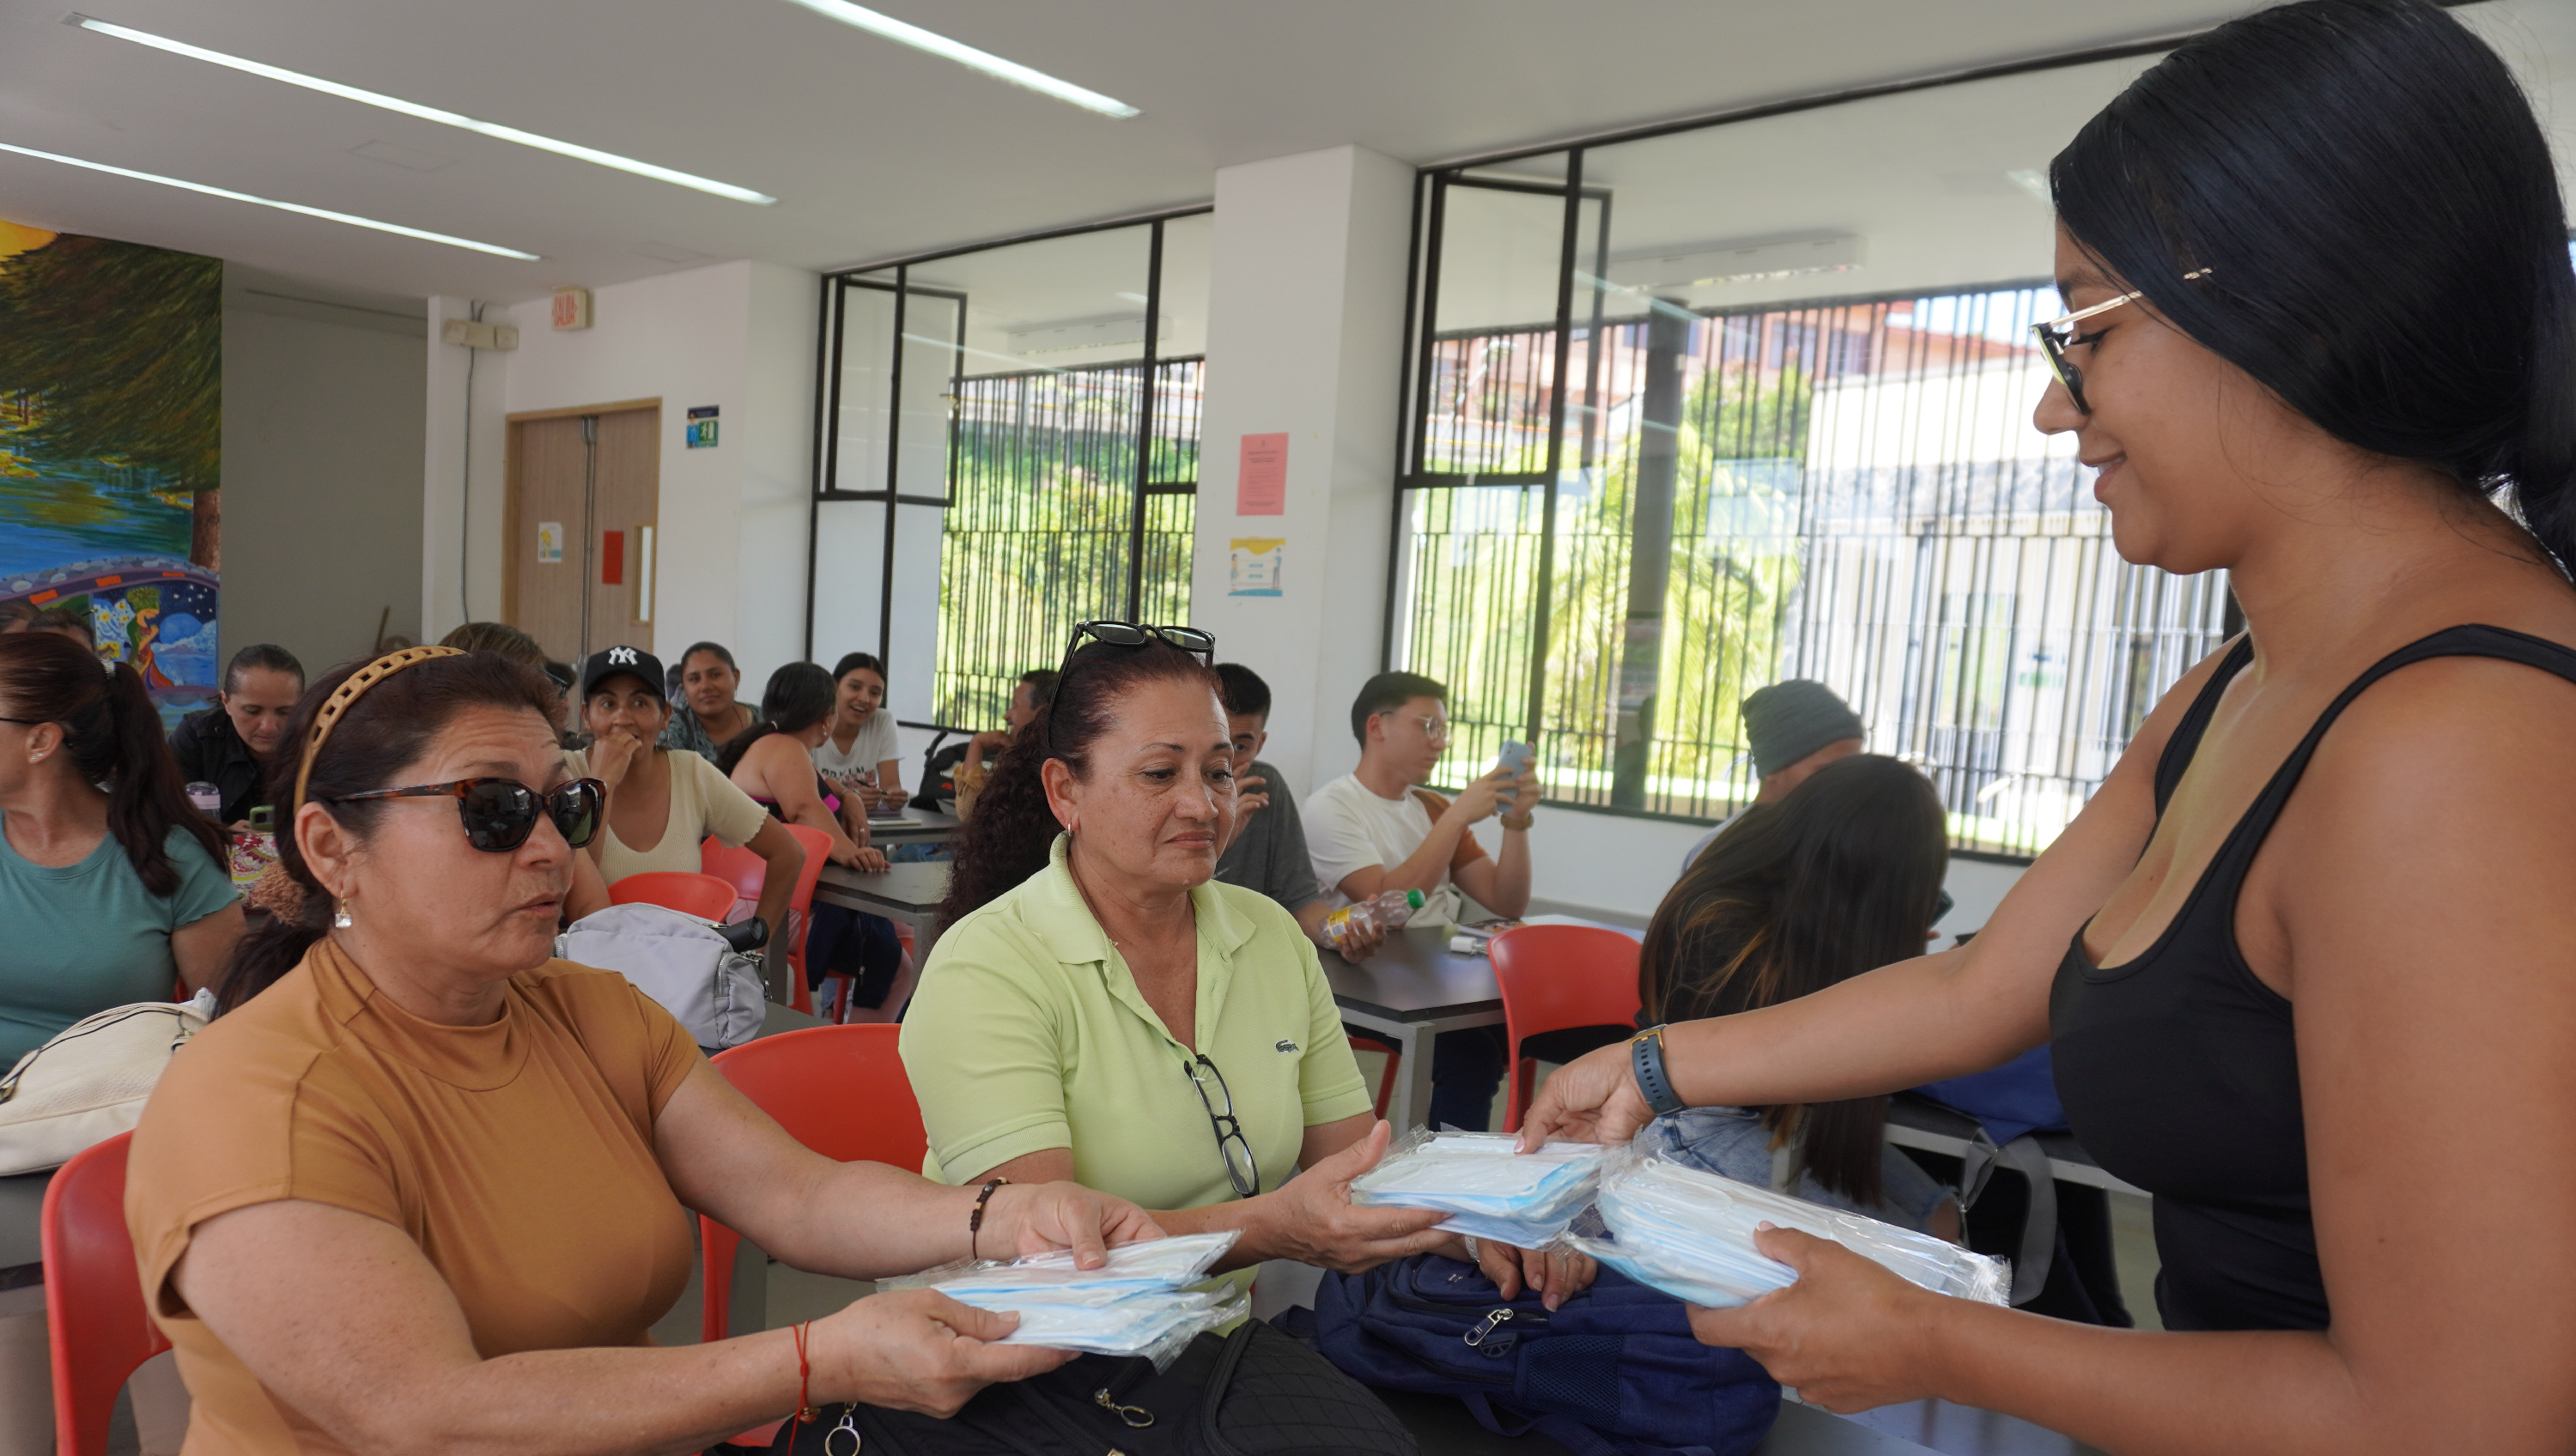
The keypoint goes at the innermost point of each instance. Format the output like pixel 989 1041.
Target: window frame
pixel 828 362
pixel 1421 338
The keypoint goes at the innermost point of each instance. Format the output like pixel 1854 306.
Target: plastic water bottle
pixel 1386 911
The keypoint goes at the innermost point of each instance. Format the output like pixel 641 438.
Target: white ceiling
pixel 874 149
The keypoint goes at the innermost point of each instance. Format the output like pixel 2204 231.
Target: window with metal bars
pixel 1043 527
pixel 1010 433
pixel 1617 522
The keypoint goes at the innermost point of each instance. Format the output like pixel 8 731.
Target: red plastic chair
pixel 1386 1079
pixel 840 1090
pixel 94 1311
pixel 1555 977
pixel 746 871
pixel 704 896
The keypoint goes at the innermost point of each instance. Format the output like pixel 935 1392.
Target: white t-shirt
pixel 703 802
pixel 874 745
pixel 1348 827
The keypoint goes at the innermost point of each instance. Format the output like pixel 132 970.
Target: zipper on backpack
pixel 1494 1319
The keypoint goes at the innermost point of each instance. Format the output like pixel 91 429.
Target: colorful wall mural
pixel 111 430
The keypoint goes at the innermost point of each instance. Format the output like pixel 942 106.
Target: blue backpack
pixel 1614 1372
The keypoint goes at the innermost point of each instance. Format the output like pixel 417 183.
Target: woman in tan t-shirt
pixel 421 1188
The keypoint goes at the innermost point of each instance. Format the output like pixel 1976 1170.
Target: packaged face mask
pixel 1136 1304
pixel 1489 1190
pixel 1690 1234
pixel 1051 1278
pixel 1126 1327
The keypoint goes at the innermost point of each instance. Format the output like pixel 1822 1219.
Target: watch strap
pixel 1646 1057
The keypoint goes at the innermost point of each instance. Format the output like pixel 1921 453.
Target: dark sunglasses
pixel 1191 640
pixel 1131 634
pixel 500 814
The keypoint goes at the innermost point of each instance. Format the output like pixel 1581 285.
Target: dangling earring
pixel 340 915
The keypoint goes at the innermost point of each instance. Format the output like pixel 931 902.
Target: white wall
pixel 1305 326
pixel 1611 862
pixel 731 542
pixel 321 500
pixel 462 463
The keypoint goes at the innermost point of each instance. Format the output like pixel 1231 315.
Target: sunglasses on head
pixel 500 814
pixel 1131 634
pixel 1191 640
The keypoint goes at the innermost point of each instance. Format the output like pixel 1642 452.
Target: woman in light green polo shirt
pixel 1101 1009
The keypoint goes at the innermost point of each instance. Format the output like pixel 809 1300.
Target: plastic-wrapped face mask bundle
pixel 1690 1234
pixel 1136 1304
pixel 1488 1190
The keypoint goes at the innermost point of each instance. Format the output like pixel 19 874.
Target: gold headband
pixel 347 693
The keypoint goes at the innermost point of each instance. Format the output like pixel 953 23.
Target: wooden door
pixel 585 494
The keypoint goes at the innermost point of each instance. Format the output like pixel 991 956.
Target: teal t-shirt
pixel 88 936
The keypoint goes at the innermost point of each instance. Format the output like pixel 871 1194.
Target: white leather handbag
pixel 89 1083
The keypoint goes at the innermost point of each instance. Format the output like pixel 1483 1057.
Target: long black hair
pixel 2381 224
pixel 390 727
pixel 1840 876
pixel 112 735
pixel 798 696
pixel 1013 830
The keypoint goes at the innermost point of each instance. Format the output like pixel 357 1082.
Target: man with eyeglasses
pixel 1372 830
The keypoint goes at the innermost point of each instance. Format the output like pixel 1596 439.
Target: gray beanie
pixel 1789 720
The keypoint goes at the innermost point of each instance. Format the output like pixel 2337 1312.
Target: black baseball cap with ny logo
pixel 623 661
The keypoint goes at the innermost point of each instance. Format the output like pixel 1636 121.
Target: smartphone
pixel 1516 757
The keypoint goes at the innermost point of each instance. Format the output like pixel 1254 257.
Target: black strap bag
pixel 1256 1392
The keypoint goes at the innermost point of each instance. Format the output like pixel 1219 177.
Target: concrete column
pixel 1305 326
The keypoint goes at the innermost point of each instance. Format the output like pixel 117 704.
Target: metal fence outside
pixel 1044 527
pixel 1849 492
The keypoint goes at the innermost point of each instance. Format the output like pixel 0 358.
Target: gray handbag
pixel 687 964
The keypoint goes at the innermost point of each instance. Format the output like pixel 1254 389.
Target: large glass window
pixel 1012 433
pixel 1700 412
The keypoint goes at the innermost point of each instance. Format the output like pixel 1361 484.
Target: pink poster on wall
pixel 1261 481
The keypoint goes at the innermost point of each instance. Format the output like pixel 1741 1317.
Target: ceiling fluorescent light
pixel 1090 333
pixel 1747 262
pixel 425 113
pixel 226 192
pixel 966 55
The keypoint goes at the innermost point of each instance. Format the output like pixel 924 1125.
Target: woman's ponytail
pixel 2543 465
pixel 1011 832
pixel 120 744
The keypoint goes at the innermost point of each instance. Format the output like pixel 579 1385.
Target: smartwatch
pixel 1646 1057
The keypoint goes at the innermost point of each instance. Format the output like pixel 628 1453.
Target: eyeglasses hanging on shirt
pixel 1241 1168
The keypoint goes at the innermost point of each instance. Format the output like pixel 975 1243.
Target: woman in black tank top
pixel 2308 958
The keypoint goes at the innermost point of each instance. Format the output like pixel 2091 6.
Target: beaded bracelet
pixel 975 1220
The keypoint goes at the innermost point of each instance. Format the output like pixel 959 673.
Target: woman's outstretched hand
pixel 1593 1098
pixel 1036 1218
pixel 1847 1336
pixel 1313 1221
pixel 919 1350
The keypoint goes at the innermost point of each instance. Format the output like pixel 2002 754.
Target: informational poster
pixel 1261 481
pixel 549 543
pixel 702 426
pixel 1256 565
